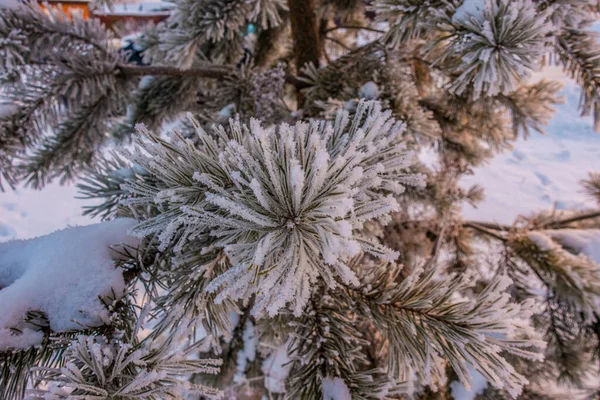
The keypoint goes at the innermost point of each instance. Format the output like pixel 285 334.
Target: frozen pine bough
pixel 284 203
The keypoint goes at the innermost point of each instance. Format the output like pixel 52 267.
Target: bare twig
pixel 211 71
pixel 490 226
pixel 486 231
pixel 339 43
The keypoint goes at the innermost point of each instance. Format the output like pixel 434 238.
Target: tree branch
pixel 488 227
pixel 211 71
pixel 581 217
pixel 365 28
pixel 215 72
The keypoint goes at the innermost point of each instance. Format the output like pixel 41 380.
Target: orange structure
pixel 70 6
pixel 133 14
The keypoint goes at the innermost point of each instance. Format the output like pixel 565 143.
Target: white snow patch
pixel 543 172
pixel 10 3
pixel 276 369
pixel 247 353
pixel 335 389
pixel 63 275
pixel 6 230
pixel 5 108
pixel 541 240
pixel 139 8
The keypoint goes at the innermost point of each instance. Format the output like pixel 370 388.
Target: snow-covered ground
pixel 541 172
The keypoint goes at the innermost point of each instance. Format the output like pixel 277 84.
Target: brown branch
pixel 479 225
pixel 212 72
pixel 338 42
pixel 581 217
pixel 488 225
pixel 366 28
pixel 484 230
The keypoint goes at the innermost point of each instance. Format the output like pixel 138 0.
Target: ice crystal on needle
pixel 285 203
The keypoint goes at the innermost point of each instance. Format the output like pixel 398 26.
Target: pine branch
pixel 552 224
pixel 591 185
pixel 216 71
pixel 578 51
pixel 446 329
pixel 578 218
pixel 486 231
pixel 210 71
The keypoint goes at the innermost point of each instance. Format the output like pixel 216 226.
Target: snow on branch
pixel 490 47
pixel 285 203
pixel 65 275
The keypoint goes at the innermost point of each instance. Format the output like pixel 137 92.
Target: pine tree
pixel 270 232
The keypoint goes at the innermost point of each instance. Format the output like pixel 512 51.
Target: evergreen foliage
pixel 290 243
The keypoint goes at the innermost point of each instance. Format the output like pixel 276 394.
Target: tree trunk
pixel 305 32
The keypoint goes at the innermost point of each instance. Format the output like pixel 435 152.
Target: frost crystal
pixel 285 203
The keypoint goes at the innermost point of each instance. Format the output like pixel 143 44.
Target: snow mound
pixel 64 275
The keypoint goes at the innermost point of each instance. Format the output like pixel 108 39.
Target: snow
pixel 335 389
pixel 146 9
pixel 9 4
pixel 63 275
pixel 276 369
pixel 247 353
pixel 543 171
pixel 583 241
pixel 541 240
pixel 6 109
